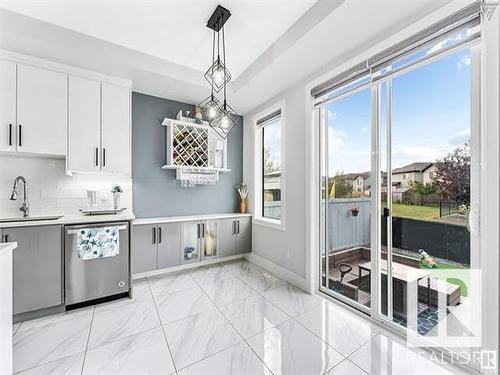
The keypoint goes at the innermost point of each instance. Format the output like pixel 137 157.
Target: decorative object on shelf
pixel 209 244
pixel 197 152
pixel 221 117
pixel 198 115
pixel 189 253
pixel 354 211
pixel 243 192
pixel 117 191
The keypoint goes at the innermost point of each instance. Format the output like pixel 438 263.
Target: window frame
pixel 258 204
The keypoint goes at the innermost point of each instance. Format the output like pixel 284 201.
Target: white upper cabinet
pixel 84 131
pixel 42 97
pixel 115 107
pixel 7 106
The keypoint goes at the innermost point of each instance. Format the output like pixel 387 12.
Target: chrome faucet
pixel 25 208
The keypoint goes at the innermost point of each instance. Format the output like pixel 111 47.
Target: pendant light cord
pixel 213 62
pixel 224 62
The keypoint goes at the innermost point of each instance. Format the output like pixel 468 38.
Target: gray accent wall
pixel 156 192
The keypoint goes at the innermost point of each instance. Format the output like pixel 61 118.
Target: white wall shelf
pixel 195 151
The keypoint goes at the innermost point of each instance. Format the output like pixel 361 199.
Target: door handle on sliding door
pixel 387 212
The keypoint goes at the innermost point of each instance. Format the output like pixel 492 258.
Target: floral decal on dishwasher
pixel 93 243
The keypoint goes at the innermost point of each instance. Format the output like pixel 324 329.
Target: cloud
pixel 336 139
pixel 459 139
pixel 410 154
pixel 464 61
pixel 448 41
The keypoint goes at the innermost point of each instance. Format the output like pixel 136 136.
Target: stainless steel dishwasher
pixel 96 261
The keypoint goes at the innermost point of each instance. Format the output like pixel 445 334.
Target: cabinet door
pixel 169 245
pixel 84 127
pixel 227 238
pixel 190 242
pixel 209 234
pixel 37 267
pixel 41 110
pixel 244 235
pixel 115 108
pixel 7 106
pixel 144 248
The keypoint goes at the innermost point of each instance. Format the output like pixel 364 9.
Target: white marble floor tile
pixel 388 354
pixel 46 343
pixel 261 280
pixel 343 330
pixel 253 315
pixel 227 291
pixel 239 267
pixel 141 293
pixel 236 360
pixel 180 305
pixel 71 365
pixel 346 367
pixel 144 353
pixel 113 324
pixel 210 274
pixel 198 337
pixel 170 283
pixel 293 300
pixel 289 348
pixel 56 318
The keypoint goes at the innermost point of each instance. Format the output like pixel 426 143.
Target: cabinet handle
pixel 96 158
pixel 6 238
pixel 234 227
pixel 203 230
pixel 159 234
pixel 198 231
pixel 10 134
pixel 154 234
pixel 20 135
pixel 238 227
pixel 103 157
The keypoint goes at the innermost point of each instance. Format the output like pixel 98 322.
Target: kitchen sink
pixel 29 218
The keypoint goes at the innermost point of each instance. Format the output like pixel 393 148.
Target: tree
pixel 452 178
pixel 343 188
pixel 270 165
pixel 421 190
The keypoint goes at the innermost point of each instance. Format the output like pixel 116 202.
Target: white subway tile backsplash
pixel 51 191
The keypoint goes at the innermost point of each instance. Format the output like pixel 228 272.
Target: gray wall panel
pixel 156 191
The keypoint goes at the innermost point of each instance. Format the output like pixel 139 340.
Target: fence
pixel 442 240
pixel 344 229
pixel 448 208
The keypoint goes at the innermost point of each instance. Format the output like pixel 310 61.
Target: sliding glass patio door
pixel 345 196
pixel 400 181
pixel 428 164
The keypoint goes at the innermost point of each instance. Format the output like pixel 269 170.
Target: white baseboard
pixel 281 272
pixel 185 266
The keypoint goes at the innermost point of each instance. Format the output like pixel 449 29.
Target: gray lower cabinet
pixel 155 246
pixel 169 243
pixel 243 235
pixel 226 238
pixel 144 248
pixel 235 236
pixel 37 267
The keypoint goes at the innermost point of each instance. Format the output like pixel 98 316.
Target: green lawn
pixel 415 211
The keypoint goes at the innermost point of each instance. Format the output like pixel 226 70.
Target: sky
pixel 430 117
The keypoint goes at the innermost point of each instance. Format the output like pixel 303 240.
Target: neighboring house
pixel 415 172
pixel 272 187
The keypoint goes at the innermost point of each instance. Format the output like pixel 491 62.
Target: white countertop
pixel 7 246
pixel 176 219
pixel 71 219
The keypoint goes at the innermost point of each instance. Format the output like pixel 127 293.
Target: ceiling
pixel 173 30
pixel 164 47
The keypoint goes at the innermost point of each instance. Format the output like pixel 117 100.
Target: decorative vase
pixel 243 205
pixel 116 201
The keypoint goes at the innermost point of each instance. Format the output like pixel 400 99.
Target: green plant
pixel 242 190
pixel 116 189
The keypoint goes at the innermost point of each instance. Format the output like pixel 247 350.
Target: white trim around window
pixel 258 218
